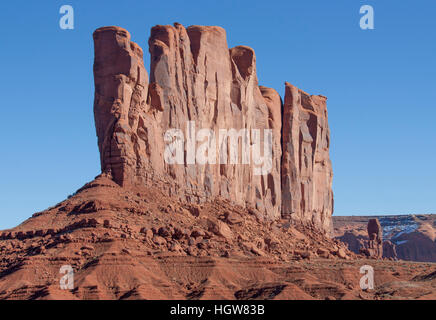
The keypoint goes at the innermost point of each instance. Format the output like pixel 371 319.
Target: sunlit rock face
pixel 202 99
pixel 306 170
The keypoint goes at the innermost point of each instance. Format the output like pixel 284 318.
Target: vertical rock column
pixel 373 247
pixel 121 84
pixel 306 175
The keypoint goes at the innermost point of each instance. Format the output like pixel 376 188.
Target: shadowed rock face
pixel 197 82
pixel 374 246
pixel 375 231
pixel 389 250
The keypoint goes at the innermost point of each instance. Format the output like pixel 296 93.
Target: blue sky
pixel 380 84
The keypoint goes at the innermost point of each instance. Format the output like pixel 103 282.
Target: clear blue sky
pixel 380 84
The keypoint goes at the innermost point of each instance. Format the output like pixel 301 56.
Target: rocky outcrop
pixel 121 90
pixel 306 168
pixel 177 130
pixel 373 247
pixel 375 231
pixel 389 250
pixel 353 239
pixel 370 245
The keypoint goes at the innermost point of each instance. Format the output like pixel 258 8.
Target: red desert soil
pixel 138 244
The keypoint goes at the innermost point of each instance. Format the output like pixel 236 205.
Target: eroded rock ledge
pixel 195 77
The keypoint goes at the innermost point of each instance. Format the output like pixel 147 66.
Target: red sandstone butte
pixel 136 231
pixel 194 76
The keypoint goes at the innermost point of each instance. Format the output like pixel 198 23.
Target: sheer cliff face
pixel 306 172
pixel 199 87
pixel 121 89
pixel 203 81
